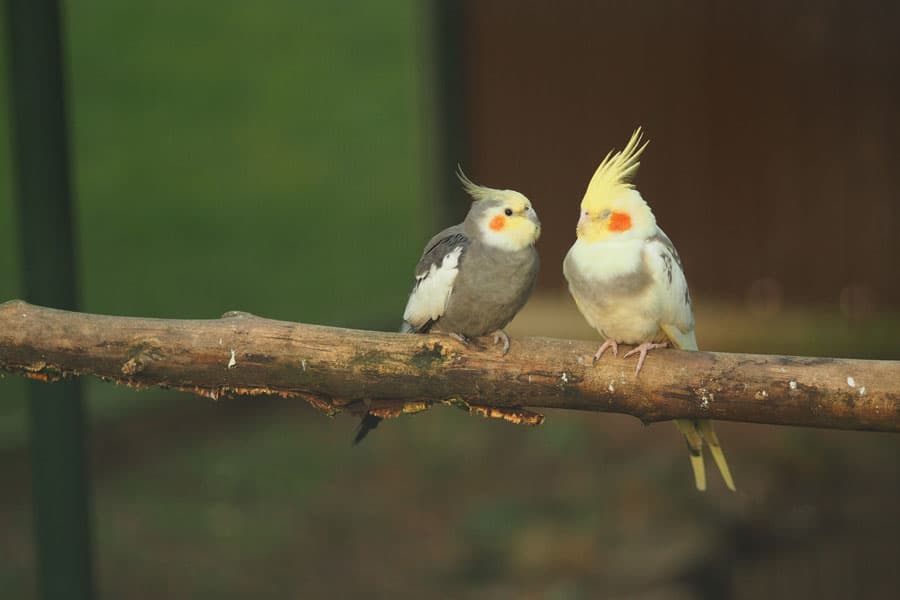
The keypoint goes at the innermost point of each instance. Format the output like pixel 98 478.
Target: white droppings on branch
pixel 232 362
pixel 761 395
pixel 303 365
pixel 792 384
pixel 705 396
pixel 862 391
pixel 851 382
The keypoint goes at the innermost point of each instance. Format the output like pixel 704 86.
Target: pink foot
pixel 610 343
pixel 643 349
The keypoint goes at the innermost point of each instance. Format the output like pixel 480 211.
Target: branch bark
pixel 389 374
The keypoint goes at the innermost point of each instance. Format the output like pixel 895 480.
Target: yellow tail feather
pixel 695 449
pixel 712 440
pixel 701 428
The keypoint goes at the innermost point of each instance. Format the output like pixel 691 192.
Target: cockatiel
pixel 474 277
pixel 628 282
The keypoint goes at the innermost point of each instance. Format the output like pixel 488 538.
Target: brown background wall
pixel 775 132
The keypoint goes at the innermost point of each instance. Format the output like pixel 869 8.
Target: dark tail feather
pixel 368 423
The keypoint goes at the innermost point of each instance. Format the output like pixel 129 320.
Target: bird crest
pixel 478 192
pixel 613 176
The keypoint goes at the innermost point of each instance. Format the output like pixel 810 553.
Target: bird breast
pixel 491 288
pixel 614 289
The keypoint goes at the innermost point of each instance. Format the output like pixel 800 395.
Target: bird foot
pixel 610 343
pixel 643 349
pixel 501 336
pixel 460 338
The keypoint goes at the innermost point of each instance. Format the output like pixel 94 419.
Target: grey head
pixel 504 219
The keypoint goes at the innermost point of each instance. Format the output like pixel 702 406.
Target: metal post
pixel 60 485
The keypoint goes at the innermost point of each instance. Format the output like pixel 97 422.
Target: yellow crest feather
pixel 478 192
pixel 614 173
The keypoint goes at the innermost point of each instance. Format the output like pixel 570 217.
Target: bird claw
pixel 501 336
pixel 610 343
pixel 460 338
pixel 643 349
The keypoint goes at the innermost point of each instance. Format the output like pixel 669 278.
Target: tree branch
pixel 348 370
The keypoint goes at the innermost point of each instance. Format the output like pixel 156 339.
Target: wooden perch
pixel 348 370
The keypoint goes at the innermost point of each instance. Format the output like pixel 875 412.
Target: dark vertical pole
pixel 447 97
pixel 59 471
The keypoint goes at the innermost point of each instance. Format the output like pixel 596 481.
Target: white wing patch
pixel 430 296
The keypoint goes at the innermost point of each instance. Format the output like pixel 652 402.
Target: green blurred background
pixel 273 158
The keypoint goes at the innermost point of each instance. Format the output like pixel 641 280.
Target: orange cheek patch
pixel 497 223
pixel 619 221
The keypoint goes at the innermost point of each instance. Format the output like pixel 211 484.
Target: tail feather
pixel 700 430
pixel 370 421
pixel 695 447
pixel 706 430
pixel 367 424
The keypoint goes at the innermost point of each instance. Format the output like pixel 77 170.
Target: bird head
pixel 504 219
pixel 611 207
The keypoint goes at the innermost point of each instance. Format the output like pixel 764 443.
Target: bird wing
pixel 676 315
pixel 677 322
pixel 435 274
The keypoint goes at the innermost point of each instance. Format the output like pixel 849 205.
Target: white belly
pixel 631 321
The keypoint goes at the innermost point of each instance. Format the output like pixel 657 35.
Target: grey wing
pixel 677 314
pixel 435 275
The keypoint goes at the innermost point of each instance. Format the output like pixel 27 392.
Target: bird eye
pixel 508 212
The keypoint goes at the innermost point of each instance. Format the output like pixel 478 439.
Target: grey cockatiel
pixel 474 277
pixel 628 282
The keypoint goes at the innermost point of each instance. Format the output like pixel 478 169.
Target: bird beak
pixel 583 219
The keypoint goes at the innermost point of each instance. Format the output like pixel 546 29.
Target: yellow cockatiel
pixel 628 282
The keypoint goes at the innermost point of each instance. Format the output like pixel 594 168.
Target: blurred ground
pixel 735 327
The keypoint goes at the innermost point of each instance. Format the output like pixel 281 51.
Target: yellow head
pixel 611 207
pixel 501 218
